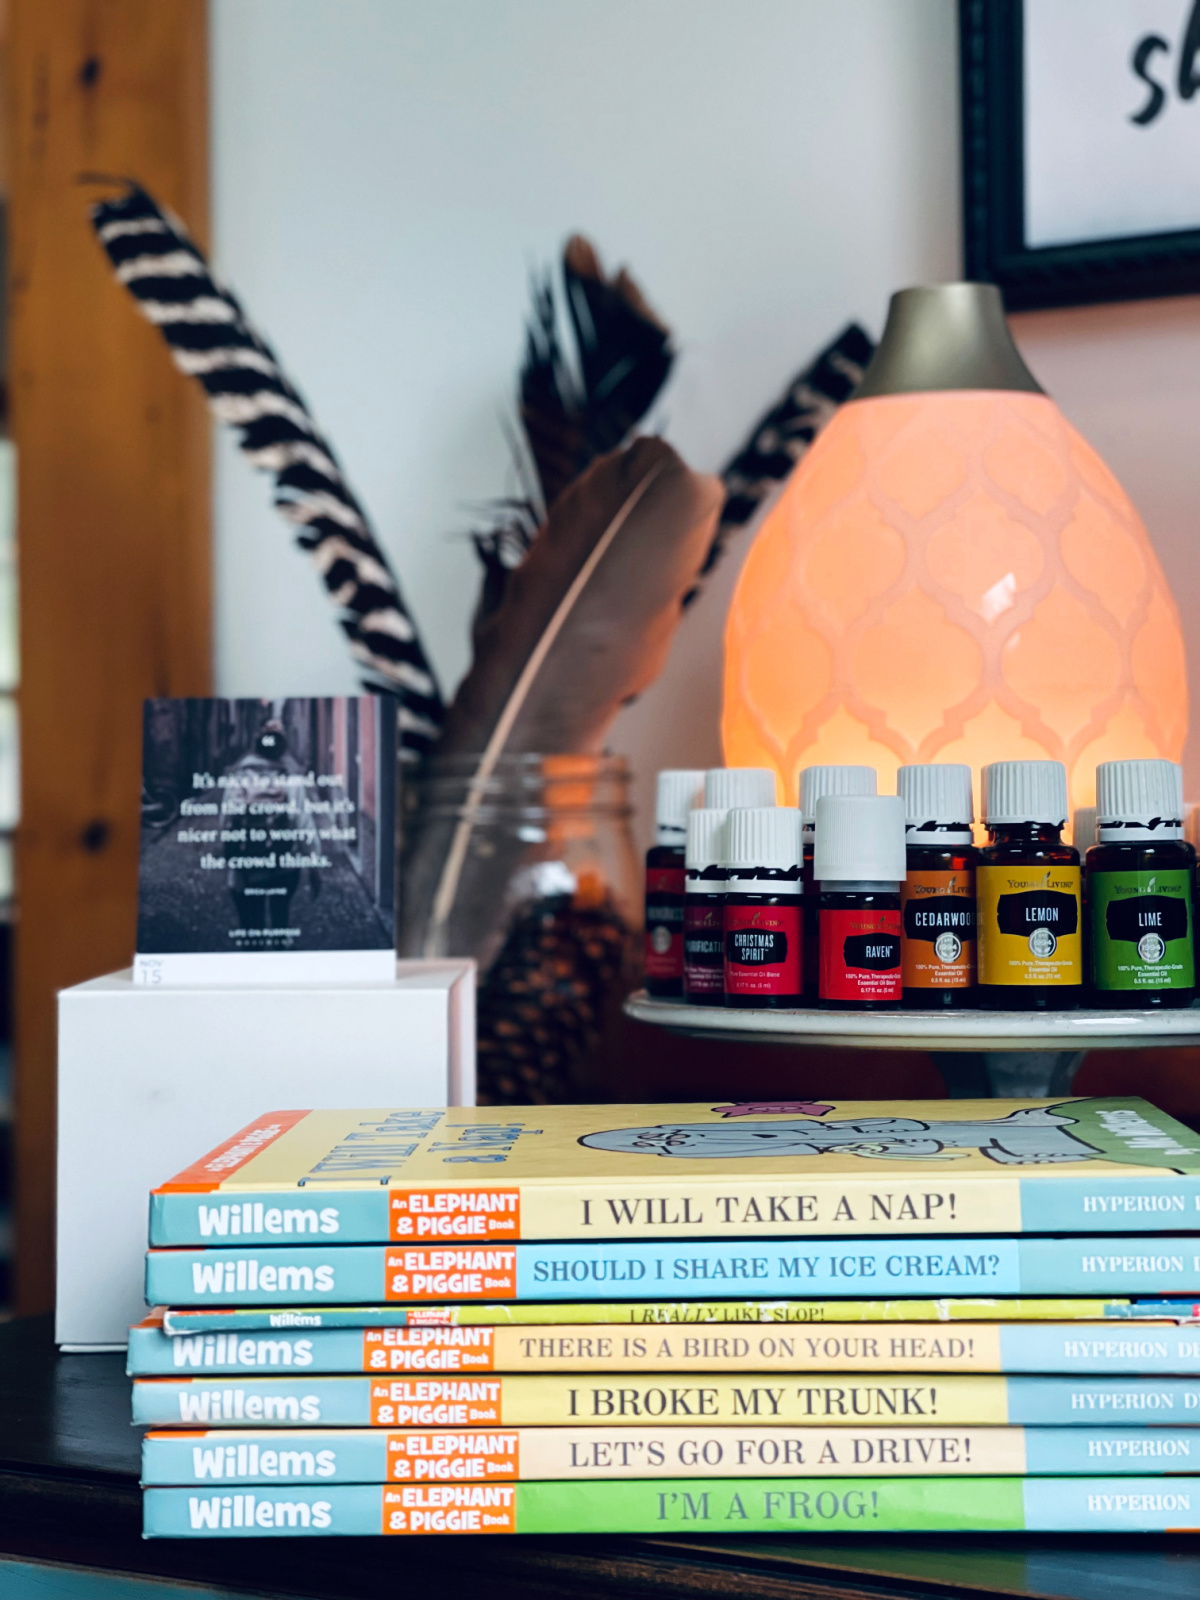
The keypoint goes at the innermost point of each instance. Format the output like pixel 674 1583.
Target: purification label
pixel 860 954
pixel 664 922
pixel 763 949
pixel 1029 926
pixel 1142 936
pixel 703 947
pixel 939 929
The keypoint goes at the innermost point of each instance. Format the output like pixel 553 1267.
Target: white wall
pixel 386 172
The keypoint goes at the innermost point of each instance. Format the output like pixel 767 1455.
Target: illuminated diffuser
pixel 951 574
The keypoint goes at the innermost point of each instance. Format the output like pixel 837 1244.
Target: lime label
pixel 1142 934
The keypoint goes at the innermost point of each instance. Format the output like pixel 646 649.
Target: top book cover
pixel 740 1170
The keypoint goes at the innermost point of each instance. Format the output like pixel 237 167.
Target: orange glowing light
pixel 952 576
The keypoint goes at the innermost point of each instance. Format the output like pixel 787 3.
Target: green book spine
pixel 713 1506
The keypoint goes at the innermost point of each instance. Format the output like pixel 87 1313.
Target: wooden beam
pixel 113 521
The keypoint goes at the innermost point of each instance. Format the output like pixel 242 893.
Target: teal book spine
pixel 266 1217
pixel 1081 1203
pixel 365 1455
pixel 369 1274
pixel 630 1400
pixel 1012 1348
pixel 730 1507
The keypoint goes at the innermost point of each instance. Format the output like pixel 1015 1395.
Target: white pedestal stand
pixel 1020 1054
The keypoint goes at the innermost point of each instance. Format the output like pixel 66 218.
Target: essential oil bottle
pixel 703 907
pixel 763 928
pixel 678 791
pixel 1140 876
pixel 814 782
pixel 859 864
pixel 1027 890
pixel 937 897
pixel 727 787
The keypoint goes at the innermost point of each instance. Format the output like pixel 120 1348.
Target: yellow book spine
pixel 764 1208
pixel 549 1453
pixel 553 1401
pixel 899 1348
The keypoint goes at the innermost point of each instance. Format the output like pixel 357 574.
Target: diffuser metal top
pixel 946 336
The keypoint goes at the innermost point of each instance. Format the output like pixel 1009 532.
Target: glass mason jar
pixel 540 884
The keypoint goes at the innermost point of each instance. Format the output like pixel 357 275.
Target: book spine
pixel 495 1456
pixel 255 1319
pixel 830 1205
pixel 635 1399
pixel 283 1216
pixel 547 1272
pixel 681 1505
pixel 916 1347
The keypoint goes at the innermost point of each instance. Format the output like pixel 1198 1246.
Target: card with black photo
pixel 267 841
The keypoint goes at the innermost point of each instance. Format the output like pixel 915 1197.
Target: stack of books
pixel 743 1318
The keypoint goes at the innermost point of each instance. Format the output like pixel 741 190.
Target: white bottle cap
pixel 1025 791
pixel 937 803
pixel 705 841
pixel 1083 827
pixel 1138 800
pixel 860 839
pixel 726 787
pixel 678 791
pixel 766 837
pixel 816 781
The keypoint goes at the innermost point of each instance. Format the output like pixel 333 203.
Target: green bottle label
pixel 1142 934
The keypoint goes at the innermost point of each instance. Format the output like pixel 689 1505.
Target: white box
pixel 150 1078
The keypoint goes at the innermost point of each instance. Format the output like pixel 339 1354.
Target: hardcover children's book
pixel 901 1347
pixel 375 1455
pixel 254 1319
pixel 629 1269
pixel 725 1506
pixel 631 1399
pixel 790 1169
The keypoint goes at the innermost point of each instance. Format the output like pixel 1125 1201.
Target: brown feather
pixel 615 639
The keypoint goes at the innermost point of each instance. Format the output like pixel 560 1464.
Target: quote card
pixel 267 841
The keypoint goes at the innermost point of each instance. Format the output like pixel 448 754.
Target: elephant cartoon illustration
pixel 1035 1136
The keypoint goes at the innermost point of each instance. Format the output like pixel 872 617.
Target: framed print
pixel 1081 148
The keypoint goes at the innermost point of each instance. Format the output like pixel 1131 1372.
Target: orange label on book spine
pixel 485 1214
pixel 435 1402
pixel 464 1272
pixel 453 1457
pixel 429 1349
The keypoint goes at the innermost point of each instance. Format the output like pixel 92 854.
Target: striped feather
pixel 783 435
pixel 211 340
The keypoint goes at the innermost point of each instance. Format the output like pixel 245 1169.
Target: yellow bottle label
pixel 1029 925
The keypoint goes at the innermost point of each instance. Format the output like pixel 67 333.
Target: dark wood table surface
pixel 69 1493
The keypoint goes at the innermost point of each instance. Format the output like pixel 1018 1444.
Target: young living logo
pixel 1145 59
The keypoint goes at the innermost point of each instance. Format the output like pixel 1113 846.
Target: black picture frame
pixel 993 163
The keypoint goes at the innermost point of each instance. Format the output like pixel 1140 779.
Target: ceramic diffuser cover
pixel 951 574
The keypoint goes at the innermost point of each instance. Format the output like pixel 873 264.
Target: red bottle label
pixel 664 922
pixel 860 955
pixel 764 948
pixel 703 951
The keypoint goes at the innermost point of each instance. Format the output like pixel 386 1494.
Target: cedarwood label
pixel 1029 925
pixel 938 910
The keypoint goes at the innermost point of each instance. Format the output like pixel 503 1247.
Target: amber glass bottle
pixel 1027 884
